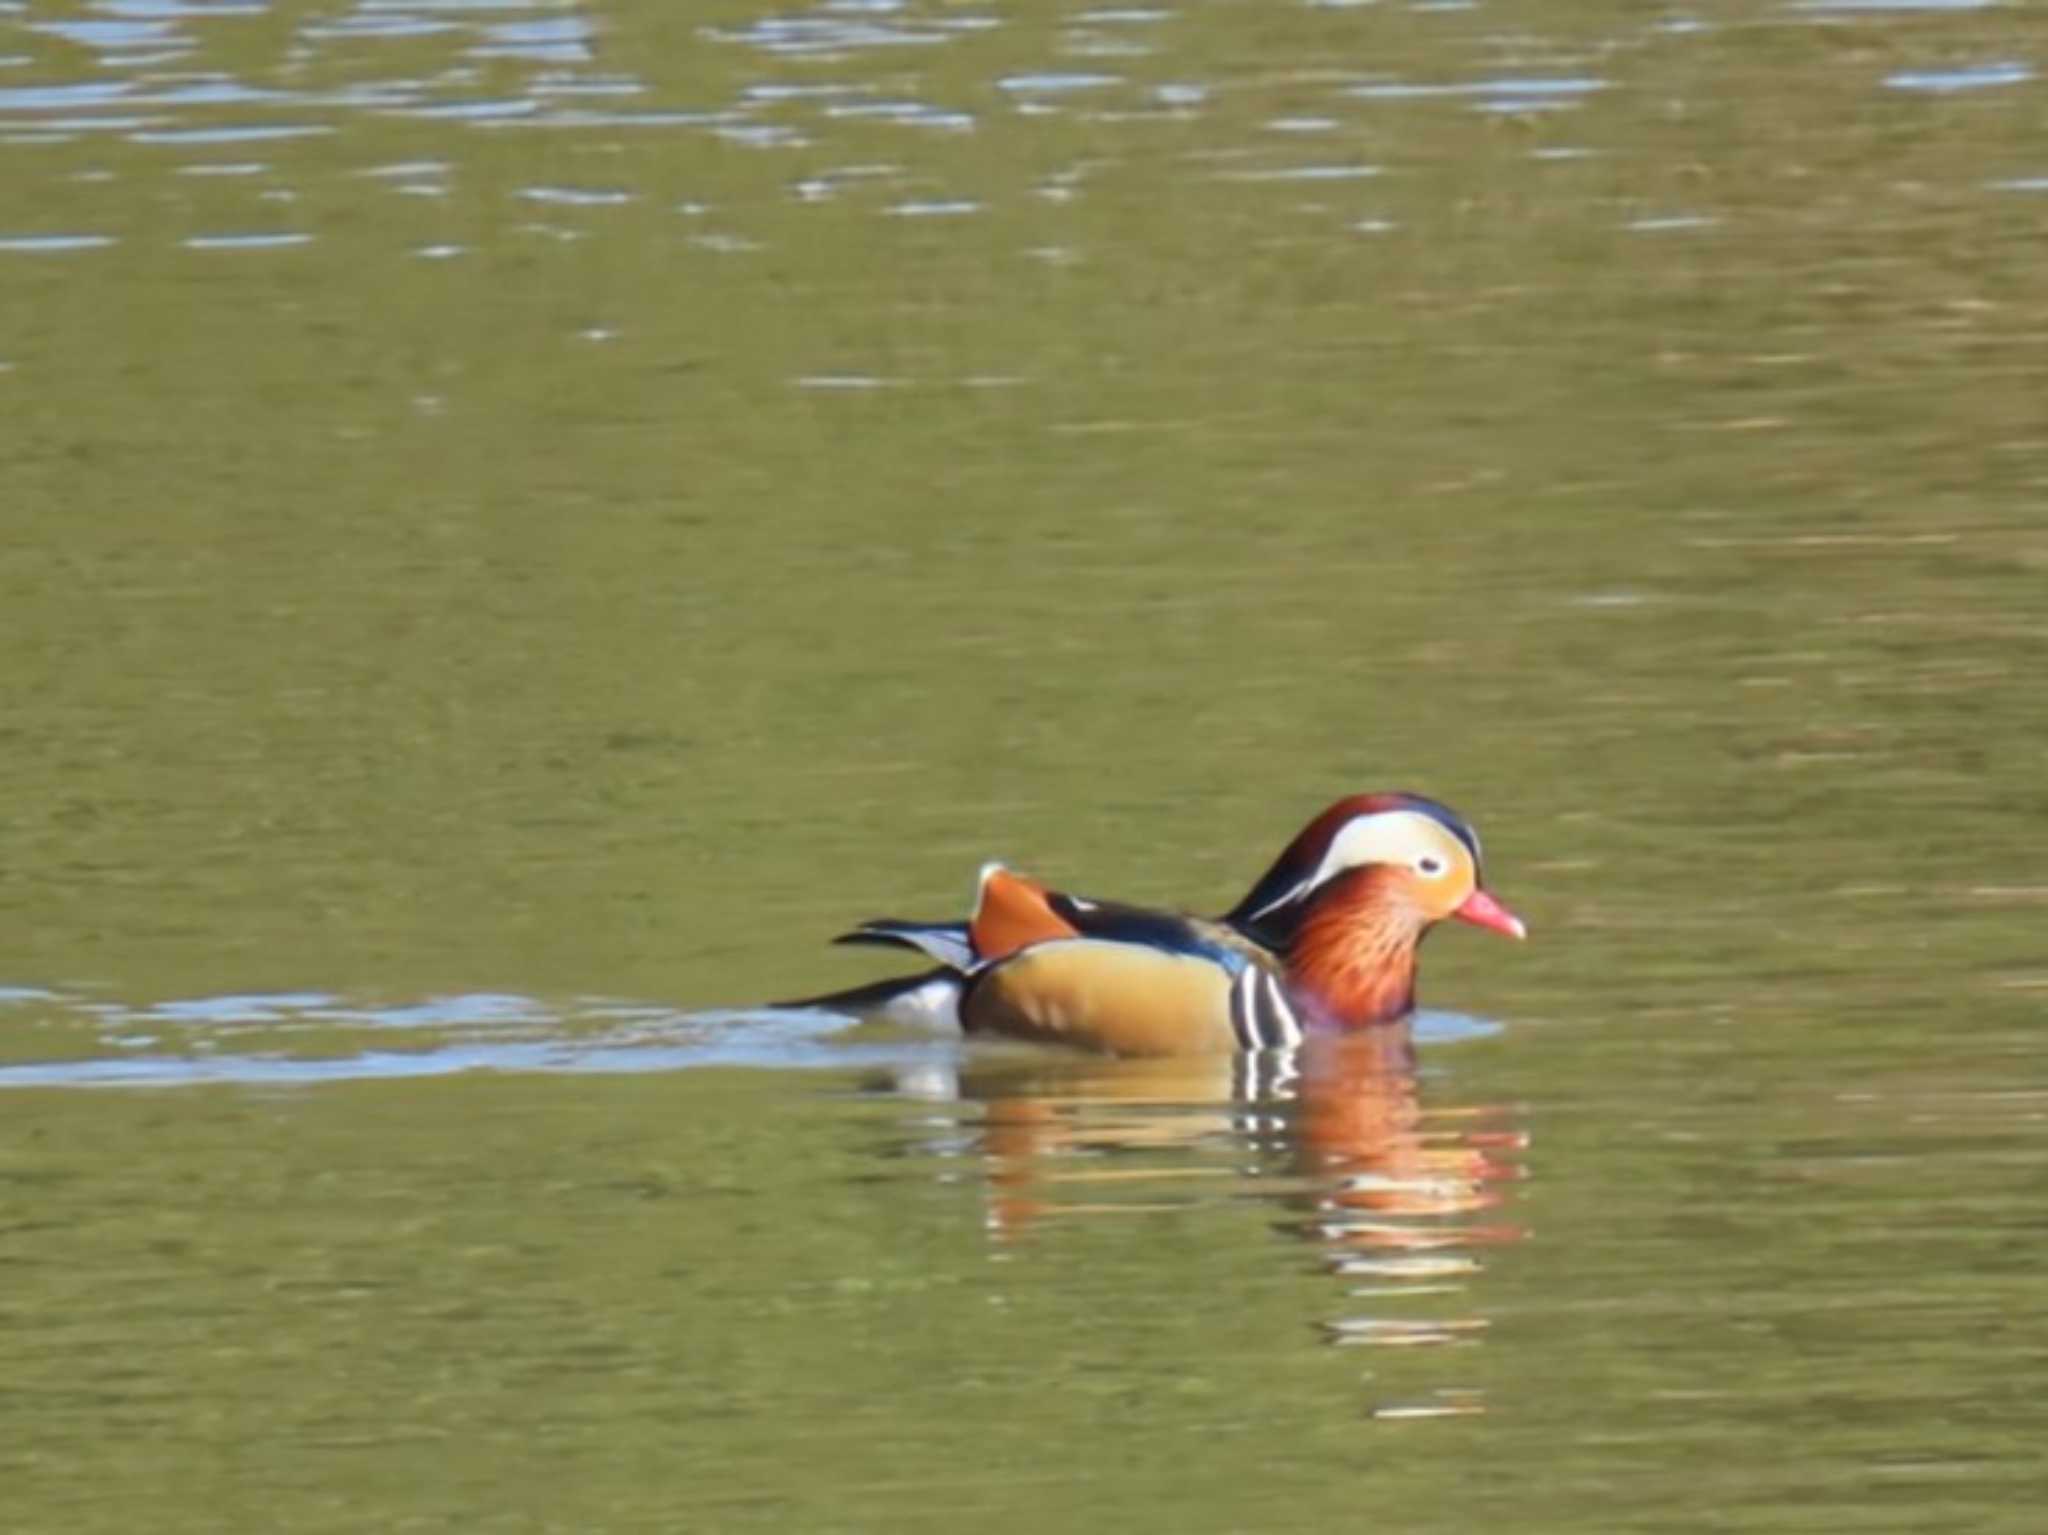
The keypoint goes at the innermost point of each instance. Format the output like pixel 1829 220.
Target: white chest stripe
pixel 1260 1016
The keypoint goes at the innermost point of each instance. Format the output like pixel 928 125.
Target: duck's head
pixel 1355 891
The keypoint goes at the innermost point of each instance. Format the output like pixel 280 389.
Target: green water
pixel 699 476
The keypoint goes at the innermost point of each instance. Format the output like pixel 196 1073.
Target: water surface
pixel 526 519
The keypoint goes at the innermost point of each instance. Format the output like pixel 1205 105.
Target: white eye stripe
pixel 1386 836
pixel 1393 836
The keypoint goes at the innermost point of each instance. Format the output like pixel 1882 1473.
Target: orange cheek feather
pixel 1355 953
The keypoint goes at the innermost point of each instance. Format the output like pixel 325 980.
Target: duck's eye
pixel 1429 866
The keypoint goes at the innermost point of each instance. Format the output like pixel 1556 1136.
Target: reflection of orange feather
pixel 1013 912
pixel 1014 1133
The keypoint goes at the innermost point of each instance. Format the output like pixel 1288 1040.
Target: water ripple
pixel 930 210
pixel 56 98
pixel 579 197
pixel 1051 84
pixel 177 10
pixel 1826 6
pixel 223 242
pixel 1507 90
pixel 306 1037
pixel 915 113
pixel 1307 173
pixel 232 134
pixel 840 29
pixel 564 40
pixel 319 1036
pixel 475 111
pixel 110 36
pixel 1976 78
pixel 54 243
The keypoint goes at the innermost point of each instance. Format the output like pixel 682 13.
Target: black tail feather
pixel 946 942
pixel 896 996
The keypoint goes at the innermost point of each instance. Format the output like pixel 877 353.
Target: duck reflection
pixel 1399 1198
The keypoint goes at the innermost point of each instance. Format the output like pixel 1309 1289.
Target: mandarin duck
pixel 1325 941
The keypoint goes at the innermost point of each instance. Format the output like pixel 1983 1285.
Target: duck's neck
pixel 1352 957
